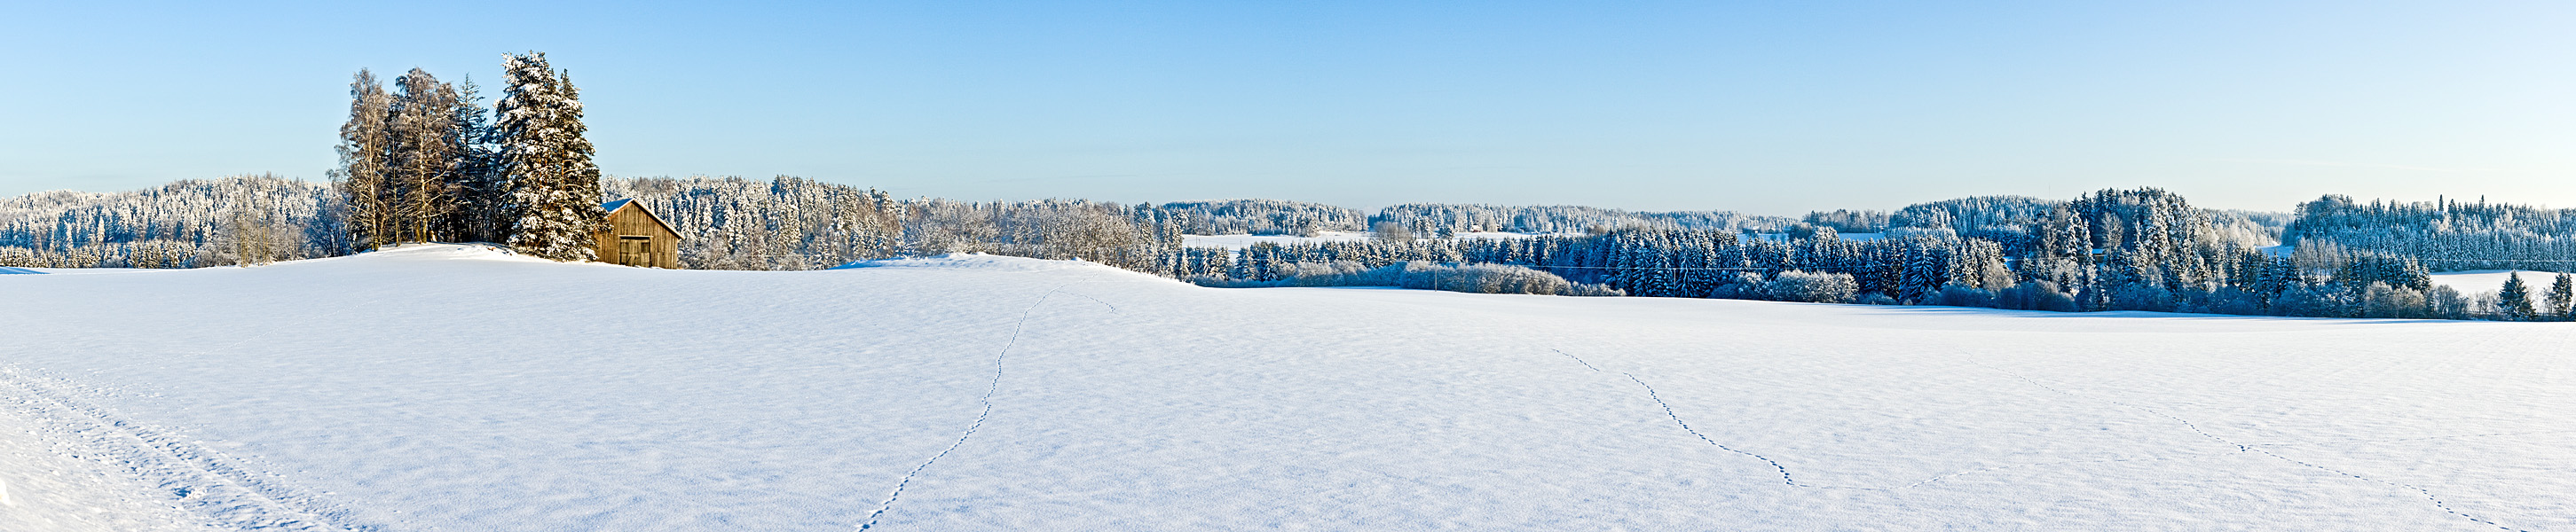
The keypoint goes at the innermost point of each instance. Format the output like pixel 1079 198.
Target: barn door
pixel 635 250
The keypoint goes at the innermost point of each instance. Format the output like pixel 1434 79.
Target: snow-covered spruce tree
pixel 2562 294
pixel 480 191
pixel 554 187
pixel 363 176
pixel 2514 302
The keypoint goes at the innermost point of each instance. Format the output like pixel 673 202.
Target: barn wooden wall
pixel 631 220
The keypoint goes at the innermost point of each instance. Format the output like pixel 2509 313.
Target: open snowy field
pixel 454 388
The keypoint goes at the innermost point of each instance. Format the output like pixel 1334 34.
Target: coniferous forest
pixel 424 160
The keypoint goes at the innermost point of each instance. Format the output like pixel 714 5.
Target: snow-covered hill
pixel 455 388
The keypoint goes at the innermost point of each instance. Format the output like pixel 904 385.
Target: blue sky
pixel 1759 107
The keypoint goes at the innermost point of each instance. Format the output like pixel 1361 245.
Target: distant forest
pixel 426 162
pixel 2143 249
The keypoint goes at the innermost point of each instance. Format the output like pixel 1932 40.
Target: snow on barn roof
pixel 613 205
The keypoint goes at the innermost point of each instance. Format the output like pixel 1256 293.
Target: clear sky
pixel 1763 107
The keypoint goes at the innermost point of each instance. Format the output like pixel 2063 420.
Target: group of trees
pixel 1420 275
pixel 236 220
pixel 1444 219
pixel 2144 249
pixel 426 162
pixel 794 224
pixel 2448 234
pixel 1266 217
pixel 2517 302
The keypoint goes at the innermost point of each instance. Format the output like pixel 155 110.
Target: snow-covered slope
pixel 450 388
pixel 2474 281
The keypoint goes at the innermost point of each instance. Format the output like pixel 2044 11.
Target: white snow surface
pixel 456 388
pixel 2474 281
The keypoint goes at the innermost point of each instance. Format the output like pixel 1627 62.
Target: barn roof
pixel 613 206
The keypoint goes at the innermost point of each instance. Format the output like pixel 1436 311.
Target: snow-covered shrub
pixel 1741 285
pixel 2035 295
pixel 2142 297
pixel 1482 279
pixel 2307 302
pixel 2227 301
pixel 1958 295
pixel 2447 303
pixel 1812 287
pixel 1593 290
pixel 2382 301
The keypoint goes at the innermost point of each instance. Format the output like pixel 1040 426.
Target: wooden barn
pixel 635 237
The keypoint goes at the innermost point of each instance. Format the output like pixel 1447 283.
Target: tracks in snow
pixel 987 400
pixel 2428 494
pixel 1791 480
pixel 201 480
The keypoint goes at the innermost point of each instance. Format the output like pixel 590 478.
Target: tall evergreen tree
pixel 481 194
pixel 2561 294
pixel 554 187
pixel 364 175
pixel 2515 300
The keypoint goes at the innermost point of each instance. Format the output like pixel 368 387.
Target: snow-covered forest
pixel 2447 234
pixel 2143 249
pixel 192 223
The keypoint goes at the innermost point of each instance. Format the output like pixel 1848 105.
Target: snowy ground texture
pixel 452 388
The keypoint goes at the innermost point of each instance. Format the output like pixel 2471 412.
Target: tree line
pixel 2447 233
pixel 2143 249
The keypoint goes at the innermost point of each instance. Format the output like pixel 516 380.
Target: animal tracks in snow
pixel 986 413
pixel 209 483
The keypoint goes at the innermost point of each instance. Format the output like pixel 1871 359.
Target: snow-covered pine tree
pixel 2561 294
pixel 363 173
pixel 554 187
pixel 480 192
pixel 2514 302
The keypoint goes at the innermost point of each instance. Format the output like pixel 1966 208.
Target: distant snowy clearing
pixel 1244 241
pixel 2474 281
pixel 458 388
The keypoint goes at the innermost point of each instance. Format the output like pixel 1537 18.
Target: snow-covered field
pixel 451 388
pixel 2474 281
